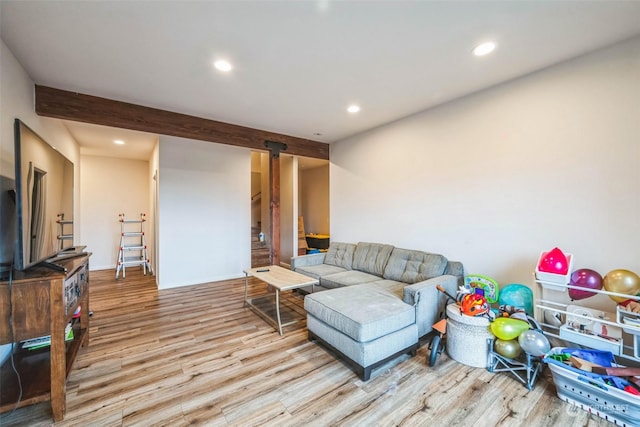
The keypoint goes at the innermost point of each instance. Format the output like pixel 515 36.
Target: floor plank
pixel 196 356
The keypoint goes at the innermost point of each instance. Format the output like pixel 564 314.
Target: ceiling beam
pixel 62 104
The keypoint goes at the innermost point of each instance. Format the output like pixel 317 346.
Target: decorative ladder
pixel 133 246
pixel 62 235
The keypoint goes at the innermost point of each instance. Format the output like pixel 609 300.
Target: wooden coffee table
pixel 280 279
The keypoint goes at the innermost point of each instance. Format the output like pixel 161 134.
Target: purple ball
pixel 585 278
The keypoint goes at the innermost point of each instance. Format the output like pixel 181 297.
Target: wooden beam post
pixel 275 148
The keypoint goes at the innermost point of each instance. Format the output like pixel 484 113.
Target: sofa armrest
pixel 428 301
pixel 307 260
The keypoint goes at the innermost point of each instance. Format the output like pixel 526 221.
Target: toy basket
pixel 467 337
pixel 591 393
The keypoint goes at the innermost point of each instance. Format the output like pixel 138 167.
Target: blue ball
pixel 517 295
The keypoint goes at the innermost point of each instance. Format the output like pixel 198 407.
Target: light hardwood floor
pixel 196 356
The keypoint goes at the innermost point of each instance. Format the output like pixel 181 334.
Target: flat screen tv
pixel 43 196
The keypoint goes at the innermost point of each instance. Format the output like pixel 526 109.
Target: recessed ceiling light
pixel 353 109
pixel 484 49
pixel 223 65
pixel 118 142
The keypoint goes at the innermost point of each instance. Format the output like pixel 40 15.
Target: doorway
pixel 260 223
pixel 304 205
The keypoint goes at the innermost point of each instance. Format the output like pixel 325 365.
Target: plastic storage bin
pixel 589 392
pixel 628 320
pixel 614 344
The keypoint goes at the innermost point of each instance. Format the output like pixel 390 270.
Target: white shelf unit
pixel 625 322
pixel 64 234
pixel 132 250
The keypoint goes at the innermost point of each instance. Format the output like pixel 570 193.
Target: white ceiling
pixel 298 64
pixel 98 140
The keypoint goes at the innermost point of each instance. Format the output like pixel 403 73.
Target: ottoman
pixel 363 325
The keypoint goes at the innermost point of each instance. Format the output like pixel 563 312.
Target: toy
pixel 462 291
pixel 474 305
pixel 507 348
pixel 585 278
pixel 507 329
pixel 554 261
pixel 534 343
pixel 632 306
pixel 516 295
pixel 437 344
pixel 487 284
pixel 520 315
pixel 622 282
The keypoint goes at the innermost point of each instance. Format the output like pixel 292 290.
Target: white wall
pixel 288 208
pixel 204 212
pixel 492 179
pixel 154 180
pixel 111 186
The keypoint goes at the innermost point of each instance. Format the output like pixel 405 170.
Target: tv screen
pixel 44 196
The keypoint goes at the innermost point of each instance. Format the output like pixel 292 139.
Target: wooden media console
pixel 40 302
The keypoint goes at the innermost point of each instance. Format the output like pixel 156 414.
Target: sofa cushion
pixel 317 271
pixel 392 286
pixel 371 257
pixel 347 278
pixel 363 315
pixel 411 266
pixel 340 255
pixel 454 268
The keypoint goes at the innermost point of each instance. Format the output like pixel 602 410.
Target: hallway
pixel 259 250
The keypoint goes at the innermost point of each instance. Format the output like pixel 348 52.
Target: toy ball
pixel 534 343
pixel 554 261
pixel 621 282
pixel 507 329
pixel 509 348
pixel 585 278
pixel 516 295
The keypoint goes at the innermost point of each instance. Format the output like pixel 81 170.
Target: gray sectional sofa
pixel 376 300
